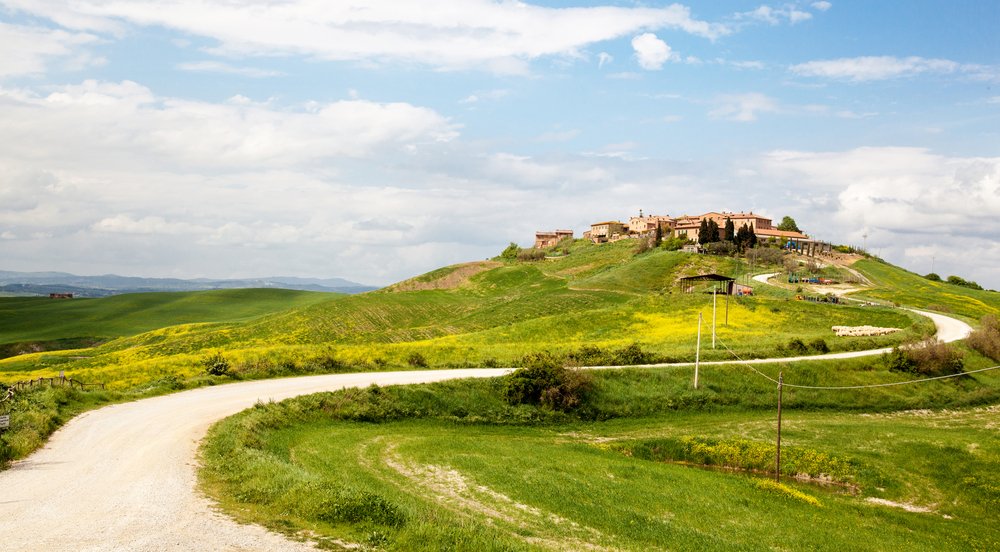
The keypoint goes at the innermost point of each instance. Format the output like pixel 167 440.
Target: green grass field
pixel 451 466
pixel 602 296
pixel 41 320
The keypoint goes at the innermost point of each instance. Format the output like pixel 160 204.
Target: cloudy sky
pixel 375 140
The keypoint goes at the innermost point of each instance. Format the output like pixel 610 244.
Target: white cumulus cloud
pixel 499 36
pixel 651 52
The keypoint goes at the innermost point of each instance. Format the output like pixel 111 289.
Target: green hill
pixel 595 298
pixel 42 323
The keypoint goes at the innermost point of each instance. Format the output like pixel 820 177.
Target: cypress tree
pixel 730 232
pixel 713 231
pixel 703 232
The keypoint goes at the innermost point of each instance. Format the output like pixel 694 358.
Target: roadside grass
pixel 597 297
pixel 906 288
pixel 450 465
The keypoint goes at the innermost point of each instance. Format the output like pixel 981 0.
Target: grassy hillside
pixel 485 314
pixel 906 288
pixel 453 466
pixel 41 320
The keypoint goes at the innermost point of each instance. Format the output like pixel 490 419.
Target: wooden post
pixel 727 306
pixel 714 293
pixel 777 457
pixel 697 353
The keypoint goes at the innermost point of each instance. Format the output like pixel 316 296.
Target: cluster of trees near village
pixel 741 239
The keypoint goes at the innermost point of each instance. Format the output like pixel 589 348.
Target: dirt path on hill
pixel 123 477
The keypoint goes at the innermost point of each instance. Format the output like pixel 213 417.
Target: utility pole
pixel 714 293
pixel 777 458
pixel 727 306
pixel 697 353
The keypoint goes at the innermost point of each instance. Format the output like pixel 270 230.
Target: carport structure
pixel 724 283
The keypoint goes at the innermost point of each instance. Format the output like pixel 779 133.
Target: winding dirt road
pixel 123 477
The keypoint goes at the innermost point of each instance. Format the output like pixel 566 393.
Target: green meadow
pixel 646 462
pixel 481 314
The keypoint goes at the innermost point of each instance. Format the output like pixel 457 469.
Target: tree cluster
pixel 741 239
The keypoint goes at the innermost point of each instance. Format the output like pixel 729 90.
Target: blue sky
pixel 378 140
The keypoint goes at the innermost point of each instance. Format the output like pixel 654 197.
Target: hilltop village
pixel 691 228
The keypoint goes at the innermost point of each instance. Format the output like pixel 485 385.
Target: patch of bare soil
pixel 901 505
pixel 452 280
pixel 453 490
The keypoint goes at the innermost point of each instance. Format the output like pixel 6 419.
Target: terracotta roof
pixel 781 233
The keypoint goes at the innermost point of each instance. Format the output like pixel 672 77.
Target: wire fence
pixel 61 381
pixel 845 387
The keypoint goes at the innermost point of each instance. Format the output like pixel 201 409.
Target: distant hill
pixel 44 283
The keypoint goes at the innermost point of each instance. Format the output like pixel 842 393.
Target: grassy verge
pixel 453 466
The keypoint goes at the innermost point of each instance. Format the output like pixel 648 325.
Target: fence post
pixel 777 457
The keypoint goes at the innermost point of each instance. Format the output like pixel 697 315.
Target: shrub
pixel 510 253
pixel 986 339
pixel 674 243
pixel 530 254
pixel 632 354
pixel 543 381
pixel 644 244
pixel 720 248
pixel 819 345
pixel 216 365
pixel 933 277
pixel 796 346
pixel 958 281
pixel 926 358
pixel 766 255
pixel 416 360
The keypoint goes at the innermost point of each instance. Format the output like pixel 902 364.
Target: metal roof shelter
pixel 727 287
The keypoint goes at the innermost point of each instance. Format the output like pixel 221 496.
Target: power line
pixel 843 387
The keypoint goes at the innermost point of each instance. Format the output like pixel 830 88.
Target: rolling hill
pixel 603 298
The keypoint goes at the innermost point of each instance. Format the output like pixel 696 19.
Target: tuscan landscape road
pixel 123 477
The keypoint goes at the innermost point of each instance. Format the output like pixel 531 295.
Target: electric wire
pixel 843 387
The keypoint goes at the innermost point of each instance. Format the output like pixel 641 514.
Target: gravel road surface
pixel 122 477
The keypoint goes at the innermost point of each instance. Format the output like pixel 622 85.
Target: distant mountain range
pixel 44 283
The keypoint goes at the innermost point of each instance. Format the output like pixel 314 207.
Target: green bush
pixel 216 365
pixel 797 346
pixel 819 345
pixel 933 277
pixel 986 340
pixel 542 381
pixel 416 360
pixel 959 281
pixel 530 254
pixel 926 358
pixel 510 253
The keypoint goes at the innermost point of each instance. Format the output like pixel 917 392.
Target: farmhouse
pixel 612 230
pixel 641 225
pixel 689 226
pixel 548 239
pixel 60 296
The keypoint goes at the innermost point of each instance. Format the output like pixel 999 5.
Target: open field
pixel 451 465
pixel 43 322
pixel 484 314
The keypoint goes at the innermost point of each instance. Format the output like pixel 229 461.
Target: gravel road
pixel 123 477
